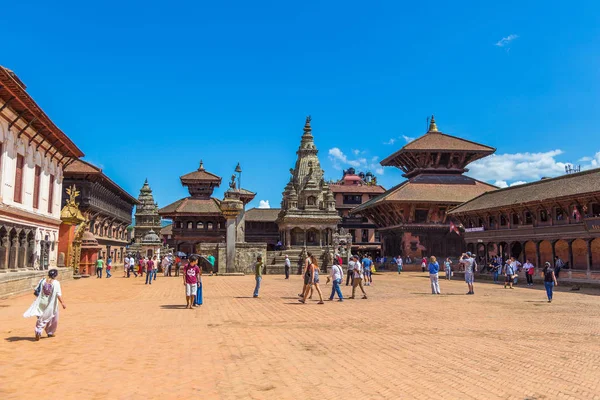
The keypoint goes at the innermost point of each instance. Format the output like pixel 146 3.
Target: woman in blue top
pixel 434 268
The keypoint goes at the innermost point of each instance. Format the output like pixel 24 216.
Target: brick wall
pixel 13 283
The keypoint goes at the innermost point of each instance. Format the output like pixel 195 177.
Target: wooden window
pixel 528 218
pixel 209 225
pixel 199 225
pixel 19 179
pixel 560 214
pixel 36 187
pixel 543 216
pixel 503 220
pixel 190 225
pixel 51 195
pixel 515 219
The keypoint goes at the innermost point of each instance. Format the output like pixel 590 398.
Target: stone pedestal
pixel 231 207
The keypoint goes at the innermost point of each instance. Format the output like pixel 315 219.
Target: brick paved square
pixel 120 339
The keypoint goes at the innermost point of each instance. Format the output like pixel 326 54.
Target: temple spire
pixel 432 125
pixel 201 168
pixel 307 128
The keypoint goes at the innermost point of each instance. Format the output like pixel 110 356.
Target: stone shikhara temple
pixel 146 239
pixel 412 216
pixel 308 216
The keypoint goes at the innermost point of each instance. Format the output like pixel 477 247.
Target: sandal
pixel 321 302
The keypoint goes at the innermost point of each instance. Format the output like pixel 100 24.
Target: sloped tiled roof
pixel 166 230
pixel 546 189
pixel 190 205
pixel 436 141
pixel 425 189
pixel 80 167
pixel 262 214
pixel 337 188
pixel 201 175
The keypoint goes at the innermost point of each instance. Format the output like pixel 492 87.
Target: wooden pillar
pixel 570 272
pixel 589 258
pixel 553 243
pixel 320 238
pixel 538 256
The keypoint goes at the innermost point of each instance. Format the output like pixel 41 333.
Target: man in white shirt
pixel 516 265
pixel 399 264
pixel 350 276
pixel 125 266
pixel 529 270
pixel 467 260
pixel 288 265
pixel 358 277
pixel 336 275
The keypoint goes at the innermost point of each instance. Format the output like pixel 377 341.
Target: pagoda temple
pixel 411 217
pixel 198 223
pixel 308 216
pixel 147 221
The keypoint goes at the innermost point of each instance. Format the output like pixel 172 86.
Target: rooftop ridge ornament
pixel 307 127
pixel 201 167
pixel 432 125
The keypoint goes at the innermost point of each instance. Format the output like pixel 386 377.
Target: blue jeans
pixel 336 289
pixel 257 287
pixel 399 268
pixel 154 273
pixel 99 272
pixel 149 278
pixel 549 287
pixel 199 295
pixel 496 273
pixel 108 274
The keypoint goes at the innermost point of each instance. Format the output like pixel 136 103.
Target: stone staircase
pixel 276 259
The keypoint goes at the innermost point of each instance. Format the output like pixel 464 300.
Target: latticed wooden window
pixel 51 195
pixel 36 187
pixel 19 179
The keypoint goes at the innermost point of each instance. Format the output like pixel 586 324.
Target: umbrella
pixel 180 254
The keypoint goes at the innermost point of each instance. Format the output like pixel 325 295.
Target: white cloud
pixel 264 204
pixel 391 141
pixel 501 184
pixel 341 160
pixel 338 156
pixel 518 183
pixel 517 166
pixel 505 41
pixel 407 139
pixel 585 159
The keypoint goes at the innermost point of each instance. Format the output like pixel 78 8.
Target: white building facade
pixel 33 153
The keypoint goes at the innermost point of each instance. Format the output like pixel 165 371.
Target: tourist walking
pixel 336 275
pixel 258 267
pixel 108 267
pixel 211 262
pixel 549 280
pixel 45 306
pixel 313 267
pixel 358 278
pixel 434 269
pixel 467 261
pixel 496 270
pixel 141 266
pixel 448 268
pixel 509 274
pixel 423 264
pixel 154 267
pixel 164 264
pixel 287 267
pixel 529 270
pixel 399 264
pixel 99 267
pixel 149 268
pixel 558 265
pixel 126 266
pixel 177 265
pixel 351 265
pixel 516 267
pixel 191 276
pixel 199 290
pixel 366 264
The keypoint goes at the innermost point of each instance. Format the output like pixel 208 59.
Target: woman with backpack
pixel 45 307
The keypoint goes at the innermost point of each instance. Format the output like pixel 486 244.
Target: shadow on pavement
pixel 173 306
pixel 20 339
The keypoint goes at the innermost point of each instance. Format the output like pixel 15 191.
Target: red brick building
pixel 411 217
pixel 349 192
pixel 539 220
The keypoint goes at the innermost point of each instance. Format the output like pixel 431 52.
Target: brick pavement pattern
pixel 120 339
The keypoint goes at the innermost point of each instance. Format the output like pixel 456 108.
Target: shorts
pixel 508 278
pixel 191 289
pixel 469 277
pixel 306 279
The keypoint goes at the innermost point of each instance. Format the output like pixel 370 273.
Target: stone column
pixel 570 272
pixel 4 251
pixel 231 206
pixel 320 238
pixel 304 235
pixel 288 238
pixel 589 259
pixel 13 257
pixel 23 253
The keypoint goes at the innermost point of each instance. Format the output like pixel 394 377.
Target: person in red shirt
pixel 149 268
pixel 191 278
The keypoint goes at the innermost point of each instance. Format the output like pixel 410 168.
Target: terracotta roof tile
pixel 425 190
pixel 337 188
pixel 262 214
pixel 166 230
pixel 436 141
pixel 190 205
pixel 586 182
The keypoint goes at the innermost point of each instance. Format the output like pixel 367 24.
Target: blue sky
pixel 147 89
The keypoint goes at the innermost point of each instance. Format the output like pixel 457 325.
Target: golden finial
pixel 432 125
pixel 201 168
